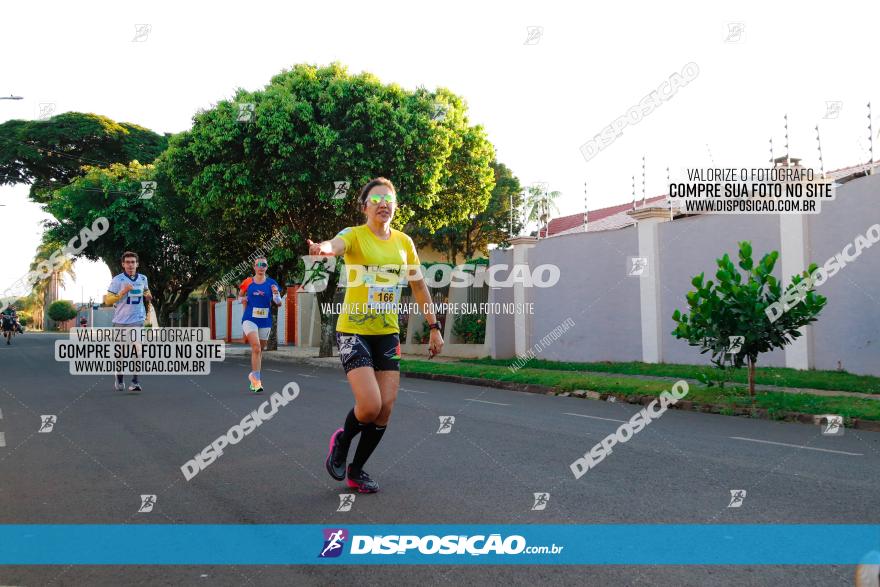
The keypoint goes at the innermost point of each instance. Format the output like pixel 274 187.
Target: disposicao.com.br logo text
pixel 476 545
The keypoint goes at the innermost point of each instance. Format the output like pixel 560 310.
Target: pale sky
pixel 538 102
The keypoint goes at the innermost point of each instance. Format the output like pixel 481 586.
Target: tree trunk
pixel 272 344
pixel 163 312
pixel 168 303
pixel 752 378
pixel 326 349
pixel 326 297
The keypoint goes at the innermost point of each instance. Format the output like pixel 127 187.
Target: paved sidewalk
pixel 309 355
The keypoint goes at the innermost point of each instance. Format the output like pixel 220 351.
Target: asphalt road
pixel 108 447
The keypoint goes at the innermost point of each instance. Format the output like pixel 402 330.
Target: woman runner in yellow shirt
pixel 367 332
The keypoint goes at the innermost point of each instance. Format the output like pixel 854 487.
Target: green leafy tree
pixel 170 246
pixel 492 225
pixel 48 154
pixel 24 318
pixel 61 310
pixel 246 173
pixel 737 307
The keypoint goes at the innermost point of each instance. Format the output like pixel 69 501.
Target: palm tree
pixel 39 298
pixel 541 205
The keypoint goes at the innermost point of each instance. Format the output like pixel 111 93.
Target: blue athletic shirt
pixel 259 300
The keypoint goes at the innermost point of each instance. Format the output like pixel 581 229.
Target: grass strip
pixel 731 397
pixel 780 376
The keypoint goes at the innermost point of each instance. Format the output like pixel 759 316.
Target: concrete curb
pixel 760 413
pixel 526 387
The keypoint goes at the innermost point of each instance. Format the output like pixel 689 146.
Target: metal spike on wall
pixel 786 139
pixel 510 230
pixel 771 149
pixel 821 161
pixel 634 192
pixel 711 158
pixel 668 182
pixel 586 208
pixel 643 181
pixel 870 141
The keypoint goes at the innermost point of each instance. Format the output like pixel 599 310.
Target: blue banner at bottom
pixel 439 544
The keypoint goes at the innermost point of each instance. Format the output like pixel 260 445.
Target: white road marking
pixel 593 417
pixel 273 370
pixel 840 452
pixel 2 439
pixel 412 390
pixel 485 402
pixel 305 375
pixel 1 414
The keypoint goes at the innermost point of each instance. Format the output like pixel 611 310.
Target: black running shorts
pixel 379 351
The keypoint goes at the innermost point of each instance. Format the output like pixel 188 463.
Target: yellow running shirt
pixel 376 270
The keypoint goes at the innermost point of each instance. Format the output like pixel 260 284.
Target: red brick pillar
pixel 228 319
pixel 212 319
pixel 290 316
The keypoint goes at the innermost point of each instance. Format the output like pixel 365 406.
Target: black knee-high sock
pixel 351 429
pixel 367 444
